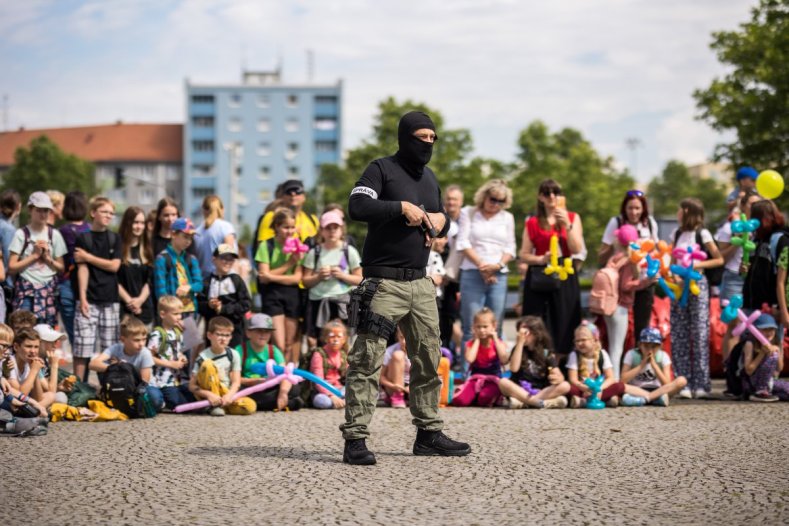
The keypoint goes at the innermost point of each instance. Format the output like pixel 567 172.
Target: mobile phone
pixel 561 201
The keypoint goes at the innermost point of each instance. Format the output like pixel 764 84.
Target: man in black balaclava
pixel 400 200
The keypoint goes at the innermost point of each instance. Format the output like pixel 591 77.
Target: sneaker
pixel 728 395
pixel 685 393
pixel 763 396
pixel 357 454
pixel 661 400
pixel 34 432
pixel 613 401
pixel 577 402
pixel 515 403
pixel 701 394
pixel 633 401
pixel 398 400
pixel 217 411
pixel 430 443
pixel 559 402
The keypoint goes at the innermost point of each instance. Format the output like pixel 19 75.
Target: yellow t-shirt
pixel 183 279
pixel 306 226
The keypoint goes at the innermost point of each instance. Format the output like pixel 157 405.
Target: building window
pixel 264 124
pixel 325 99
pixel 203 122
pixel 264 149
pixel 325 146
pixel 293 101
pixel 147 196
pixel 325 123
pixel 172 173
pixel 201 193
pixel 235 100
pixel 202 170
pixel 293 170
pixel 234 124
pixel 203 99
pixel 264 173
pixel 292 125
pixel 263 100
pixel 147 173
pixel 203 146
pixel 292 150
pixel 264 196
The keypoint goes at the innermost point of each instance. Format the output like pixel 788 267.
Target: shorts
pixel 281 299
pixel 731 284
pixel 311 317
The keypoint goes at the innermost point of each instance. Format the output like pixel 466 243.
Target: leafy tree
pixel 676 183
pixel 44 166
pixel 753 97
pixel 593 186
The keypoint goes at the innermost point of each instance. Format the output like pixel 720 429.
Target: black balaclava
pixel 414 153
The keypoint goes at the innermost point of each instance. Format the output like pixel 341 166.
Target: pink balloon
pixel 746 322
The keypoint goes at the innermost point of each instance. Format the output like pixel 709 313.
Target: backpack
pixel 310 241
pixel 26 233
pixel 308 388
pixel 714 275
pixel 761 287
pixel 123 389
pixel 318 249
pixel 734 369
pixel 604 297
pixel 164 342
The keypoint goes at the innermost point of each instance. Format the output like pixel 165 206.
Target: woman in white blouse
pixel 486 238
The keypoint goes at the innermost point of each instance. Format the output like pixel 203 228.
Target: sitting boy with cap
pixel 225 293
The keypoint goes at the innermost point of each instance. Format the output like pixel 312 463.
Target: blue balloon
pixel 260 368
pixel 595 384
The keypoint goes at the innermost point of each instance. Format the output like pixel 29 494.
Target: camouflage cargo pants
pixel 411 305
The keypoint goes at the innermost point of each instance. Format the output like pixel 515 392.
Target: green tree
pixel 44 166
pixel 449 162
pixel 752 99
pixel 676 183
pixel 593 186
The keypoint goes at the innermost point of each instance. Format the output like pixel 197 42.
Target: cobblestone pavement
pixel 691 463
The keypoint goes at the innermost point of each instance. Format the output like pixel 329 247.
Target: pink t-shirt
pixel 487 361
pixel 332 373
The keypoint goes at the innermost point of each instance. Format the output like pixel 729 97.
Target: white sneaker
pixel 685 393
pixel 217 411
pixel 515 403
pixel 555 403
pixel 701 394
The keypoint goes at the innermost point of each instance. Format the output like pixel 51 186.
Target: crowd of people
pixel 172 306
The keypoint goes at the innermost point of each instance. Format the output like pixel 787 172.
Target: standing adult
pixel 293 197
pixel 555 301
pixel 400 200
pixel 449 311
pixel 10 207
pixel 487 241
pixel 634 211
pixel 213 232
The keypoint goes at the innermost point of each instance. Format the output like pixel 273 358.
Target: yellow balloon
pixel 770 184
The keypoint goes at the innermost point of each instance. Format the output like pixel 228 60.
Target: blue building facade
pixel 264 131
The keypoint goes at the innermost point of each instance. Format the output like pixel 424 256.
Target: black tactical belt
pixel 400 274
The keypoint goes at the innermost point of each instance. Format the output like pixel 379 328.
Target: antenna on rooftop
pixel 633 144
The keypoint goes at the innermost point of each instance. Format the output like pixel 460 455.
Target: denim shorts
pixel 731 284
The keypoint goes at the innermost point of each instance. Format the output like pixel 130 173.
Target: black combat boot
pixel 356 453
pixel 437 443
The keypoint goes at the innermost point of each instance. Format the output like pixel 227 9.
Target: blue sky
pixel 612 68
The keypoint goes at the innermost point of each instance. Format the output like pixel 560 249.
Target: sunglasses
pixel 496 201
pixel 635 193
pixel 548 191
pixel 295 191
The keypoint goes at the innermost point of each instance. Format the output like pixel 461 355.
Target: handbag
pixel 539 281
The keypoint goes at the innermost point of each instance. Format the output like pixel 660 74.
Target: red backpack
pixel 605 289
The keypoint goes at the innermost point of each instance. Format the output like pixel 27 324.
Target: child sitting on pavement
pixel 649 367
pixel 47 351
pixel 216 375
pixel 396 372
pixel 258 348
pixel 171 365
pixel 26 375
pixel 330 363
pixel 131 349
pixel 225 293
pixel 534 367
pixel 590 360
pixel 762 364
pixel 20 414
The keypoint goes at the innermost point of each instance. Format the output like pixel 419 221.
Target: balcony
pixel 202 157
pixel 326 109
pixel 201 109
pixel 202 133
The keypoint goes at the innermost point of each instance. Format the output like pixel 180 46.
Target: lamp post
pixel 234 151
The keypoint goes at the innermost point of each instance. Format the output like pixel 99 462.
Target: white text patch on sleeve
pixel 366 191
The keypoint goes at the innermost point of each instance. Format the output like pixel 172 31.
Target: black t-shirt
pixel 531 371
pixel 102 285
pixel 133 276
pixel 376 200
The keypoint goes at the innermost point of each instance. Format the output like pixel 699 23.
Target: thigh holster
pixel 361 316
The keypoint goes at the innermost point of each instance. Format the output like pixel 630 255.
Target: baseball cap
pixel 39 200
pixel 747 172
pixel 225 250
pixel 292 184
pixel 650 335
pixel 765 321
pixel 332 217
pixel 183 224
pixel 261 321
pixel 47 333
